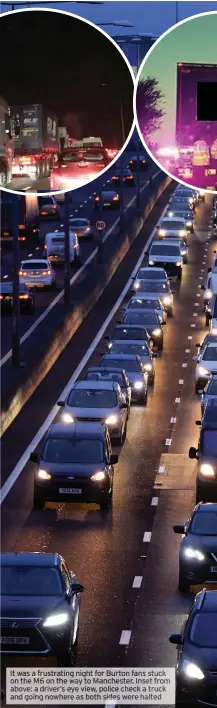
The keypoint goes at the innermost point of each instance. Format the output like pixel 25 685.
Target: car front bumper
pixel 81 490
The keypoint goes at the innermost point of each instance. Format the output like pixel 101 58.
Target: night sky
pixel 62 62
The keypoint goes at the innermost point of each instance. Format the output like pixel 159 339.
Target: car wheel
pixel 184 584
pixel 106 503
pixel 67 658
pixel 179 274
pixel 38 502
pixel 170 313
pixel 207 321
pixel 151 380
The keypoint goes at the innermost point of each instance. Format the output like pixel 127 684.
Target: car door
pixel 74 601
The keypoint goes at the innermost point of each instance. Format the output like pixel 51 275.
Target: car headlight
pixel 157 332
pixel 138 385
pixel 202 371
pixel 67 418
pixel 194 553
pixel 162 232
pixel 151 262
pixel 148 367
pixel 179 263
pixel 208 294
pixel 56 620
pixel 214 330
pixel 192 670
pixel 136 284
pixel 42 474
pixel 182 233
pixel 170 213
pixel 98 476
pixel 167 300
pixel 111 420
pixel 207 470
pixel 189 223
pixel 110 345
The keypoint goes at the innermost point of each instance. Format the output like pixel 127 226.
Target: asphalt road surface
pixel 135 539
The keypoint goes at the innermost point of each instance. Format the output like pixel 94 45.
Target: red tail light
pixel 96 199
pixel 21 238
pixel 23 297
pixel 22 272
pixel 46 272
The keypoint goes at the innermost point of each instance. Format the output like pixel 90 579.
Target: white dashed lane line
pixel 137 581
pixel 154 501
pixel 147 537
pixel 125 637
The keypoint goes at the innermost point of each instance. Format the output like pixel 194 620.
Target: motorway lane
pixel 118 553
pixel 82 205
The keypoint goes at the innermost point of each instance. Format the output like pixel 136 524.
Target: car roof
pixel 76 430
pixel 31 558
pixel 77 218
pixel 98 385
pixel 58 233
pixel 211 345
pixel 206 508
pixel 161 242
pixel 147 268
pixel 7 287
pixel 34 260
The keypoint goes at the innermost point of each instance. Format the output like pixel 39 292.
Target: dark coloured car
pixel 109 200
pixel 109 373
pixel 206 455
pixel 127 178
pixel 136 373
pixel 196 668
pixel 131 332
pixel 209 392
pixel 76 464
pixel 198 548
pixel 143 164
pixel 152 323
pixel 26 297
pixel 40 606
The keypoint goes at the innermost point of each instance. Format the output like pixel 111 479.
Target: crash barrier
pixel 53 342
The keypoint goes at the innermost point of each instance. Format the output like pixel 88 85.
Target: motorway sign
pixel 100 225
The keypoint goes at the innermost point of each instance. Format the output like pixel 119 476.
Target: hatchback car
pixel 109 373
pixel 126 175
pixel 198 548
pixel 138 347
pixel 37 273
pixel 151 321
pixel 100 401
pixel 172 226
pixel 135 370
pixel 48 208
pixel 76 465
pixel 40 606
pixel 26 298
pixel 109 200
pixel 162 290
pixel 196 668
pixel 206 365
pixel 74 168
pixel 82 227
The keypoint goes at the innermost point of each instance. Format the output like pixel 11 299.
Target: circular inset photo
pixel 66 105
pixel 175 102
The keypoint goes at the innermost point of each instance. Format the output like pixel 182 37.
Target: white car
pixel 172 226
pixel 144 302
pixel 168 255
pixel 206 366
pixel 37 273
pixel 147 273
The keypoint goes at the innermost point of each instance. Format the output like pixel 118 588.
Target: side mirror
pixel 197 422
pixel 108 338
pixel 175 639
pixel 113 460
pixel 61 403
pixel 209 270
pixel 34 457
pixel 179 528
pixel 75 588
pixel 200 392
pixel 194 358
pixel 192 453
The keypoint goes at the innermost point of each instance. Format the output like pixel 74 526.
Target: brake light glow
pixel 22 272
pixel 21 238
pixel 96 199
pixel 1 297
pixel 46 272
pixel 23 297
pixel 115 199
pixel 21 226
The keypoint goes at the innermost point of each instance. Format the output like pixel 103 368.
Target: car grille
pixel 21 623
pixel 92 420
pixel 25 628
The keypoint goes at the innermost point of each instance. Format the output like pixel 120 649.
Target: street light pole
pixel 67 252
pixel 16 288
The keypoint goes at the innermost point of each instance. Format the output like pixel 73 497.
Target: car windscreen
pixel 78 223
pixel 203 631
pixel 82 155
pixel 32 265
pixel 212 388
pixel 92 398
pixel 45 201
pixel 144 305
pixel 154 287
pixel 106 376
pixel 162 250
pixel 129 333
pixel 204 524
pixel 126 348
pixel 58 239
pixel 145 318
pixel 127 364
pixel 63 450
pixel 30 581
pixel 169 225
pixel 210 353
pixel 145 274
pixel 180 206
pixel 209 443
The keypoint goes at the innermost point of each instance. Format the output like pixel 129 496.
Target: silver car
pixel 101 401
pixel 172 226
pixel 82 227
pixel 147 273
pixel 133 346
pixel 160 289
pixel 37 273
pixel 143 302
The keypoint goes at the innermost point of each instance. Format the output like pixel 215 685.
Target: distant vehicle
pixel 172 226
pixel 168 256
pixel 137 347
pixel 136 373
pixel 145 302
pixel 48 208
pixel 109 373
pixel 39 584
pixel 143 164
pixel 181 209
pixel 37 273
pixel 28 219
pixel 92 142
pixel 54 248
pixel 110 199
pixel 151 321
pixel 26 297
pixel 159 289
pixel 147 273
pixel 36 145
pixel 82 227
pixel 126 175
pixel 196 665
pixel 74 168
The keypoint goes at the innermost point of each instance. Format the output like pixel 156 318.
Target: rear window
pixel 106 376
pixel 57 239
pixel 129 333
pixel 126 348
pixel 127 364
pixel 33 265
pixel 83 155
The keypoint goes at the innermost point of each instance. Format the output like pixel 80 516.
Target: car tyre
pixel 170 313
pixel 179 274
pixel 38 502
pixel 207 321
pixel 183 585
pixel 105 504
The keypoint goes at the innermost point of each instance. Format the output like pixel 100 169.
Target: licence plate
pixel 34 273
pixel 69 490
pixel 213 569
pixel 14 640
pixel 107 204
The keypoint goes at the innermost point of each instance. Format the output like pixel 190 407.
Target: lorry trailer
pixel 36 147
pixel 28 219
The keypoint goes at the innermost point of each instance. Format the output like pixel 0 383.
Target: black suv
pixel 40 606
pixel 206 454
pixel 196 670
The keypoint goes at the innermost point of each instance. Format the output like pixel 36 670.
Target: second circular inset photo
pixel 175 102
pixel 66 101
